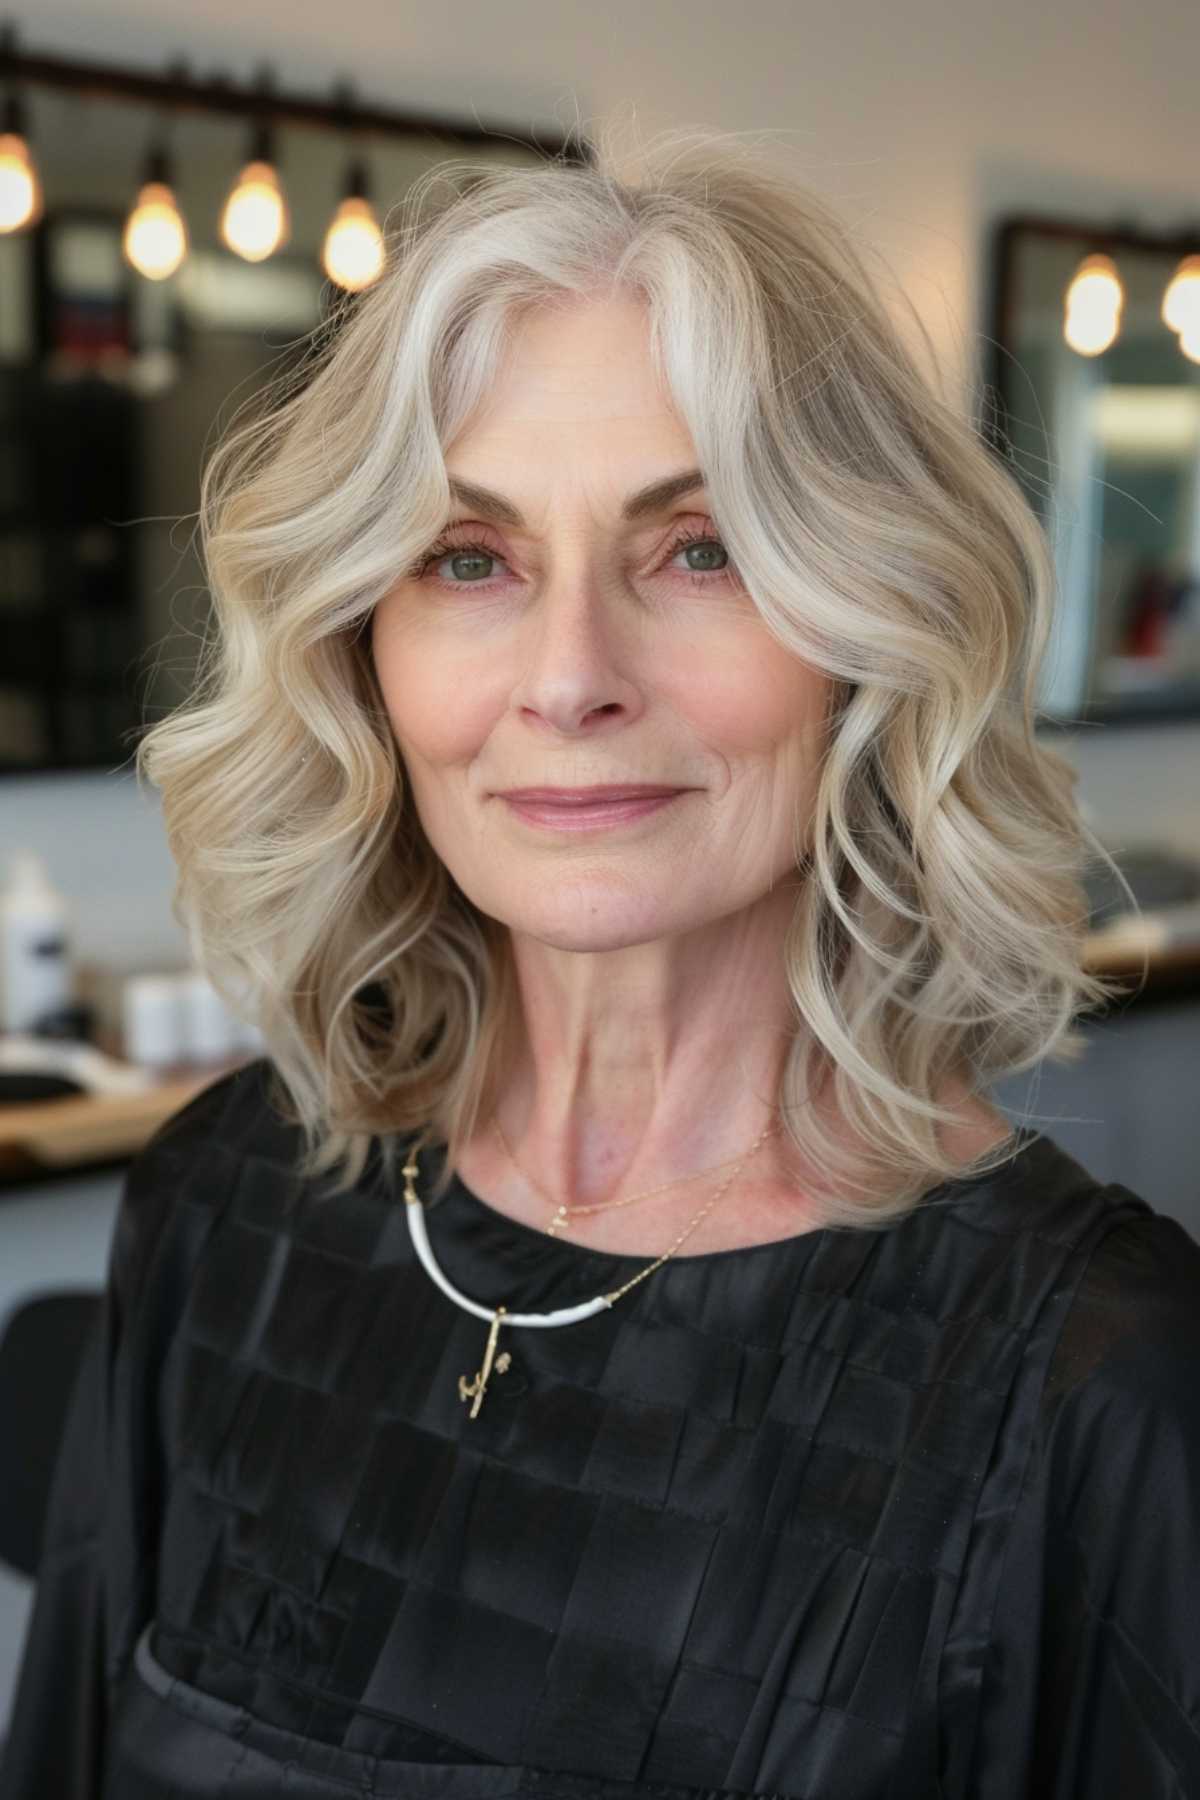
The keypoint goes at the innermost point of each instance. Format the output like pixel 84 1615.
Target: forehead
pixel 576 416
pixel 582 360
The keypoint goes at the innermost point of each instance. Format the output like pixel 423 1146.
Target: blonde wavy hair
pixel 938 926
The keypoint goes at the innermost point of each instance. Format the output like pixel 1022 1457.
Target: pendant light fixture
pixel 353 253
pixel 255 221
pixel 1181 306
pixel 155 241
pixel 20 185
pixel 1093 305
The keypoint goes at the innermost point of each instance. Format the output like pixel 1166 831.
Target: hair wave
pixel 938 929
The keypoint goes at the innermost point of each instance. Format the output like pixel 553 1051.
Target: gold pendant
pixel 560 1218
pixel 478 1387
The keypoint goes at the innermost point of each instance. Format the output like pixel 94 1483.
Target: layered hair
pixel 940 914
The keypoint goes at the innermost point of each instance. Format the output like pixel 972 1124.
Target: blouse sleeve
pixel 1096 1651
pixel 96 1576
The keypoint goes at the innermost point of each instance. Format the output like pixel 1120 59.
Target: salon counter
pixel 47 1138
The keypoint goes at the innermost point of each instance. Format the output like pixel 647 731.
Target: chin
pixel 592 925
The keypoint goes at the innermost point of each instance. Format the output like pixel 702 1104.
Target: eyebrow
pixel 638 505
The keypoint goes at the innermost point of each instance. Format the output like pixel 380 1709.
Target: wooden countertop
pixel 41 1135
pixel 1168 941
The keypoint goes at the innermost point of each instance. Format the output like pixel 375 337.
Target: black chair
pixel 40 1354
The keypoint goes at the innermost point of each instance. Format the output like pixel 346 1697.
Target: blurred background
pixel 181 201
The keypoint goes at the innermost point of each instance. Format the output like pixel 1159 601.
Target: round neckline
pixel 590 1253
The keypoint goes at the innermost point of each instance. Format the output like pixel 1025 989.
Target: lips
pixel 596 796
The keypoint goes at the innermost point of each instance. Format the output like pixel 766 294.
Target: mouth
pixel 590 796
pixel 613 808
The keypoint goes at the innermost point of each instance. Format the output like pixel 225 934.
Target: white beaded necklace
pixel 499 1315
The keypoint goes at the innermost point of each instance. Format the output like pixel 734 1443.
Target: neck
pixel 637 1065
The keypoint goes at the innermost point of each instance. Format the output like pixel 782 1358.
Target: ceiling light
pixel 353 252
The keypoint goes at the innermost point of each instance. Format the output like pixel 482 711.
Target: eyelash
pixel 447 545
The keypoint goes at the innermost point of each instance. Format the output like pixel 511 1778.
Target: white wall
pixel 102 840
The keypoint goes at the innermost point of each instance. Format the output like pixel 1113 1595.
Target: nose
pixel 577 659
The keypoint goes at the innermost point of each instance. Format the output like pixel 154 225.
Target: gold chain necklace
pixel 564 1213
pixel 499 1315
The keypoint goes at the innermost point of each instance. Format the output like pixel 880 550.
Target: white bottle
pixel 210 1032
pixel 152 1020
pixel 35 971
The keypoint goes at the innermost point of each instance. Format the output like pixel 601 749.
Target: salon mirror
pixel 113 385
pixel 1106 445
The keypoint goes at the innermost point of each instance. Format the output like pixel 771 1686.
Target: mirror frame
pixel 1008 235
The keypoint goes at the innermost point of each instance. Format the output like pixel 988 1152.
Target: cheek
pixel 438 714
pixel 756 706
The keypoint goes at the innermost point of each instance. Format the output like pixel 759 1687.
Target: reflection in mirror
pixel 1107 448
pixel 113 385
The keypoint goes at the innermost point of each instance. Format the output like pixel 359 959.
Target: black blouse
pixel 909 1512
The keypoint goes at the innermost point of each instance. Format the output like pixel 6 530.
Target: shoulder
pixel 189 1167
pixel 1135 1313
pixel 232 1117
pixel 1121 1405
pixel 235 1109
pixel 1120 1550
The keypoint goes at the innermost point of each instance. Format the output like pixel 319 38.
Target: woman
pixel 688 1382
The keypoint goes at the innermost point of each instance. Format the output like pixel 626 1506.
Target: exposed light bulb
pixel 1181 302
pixel 255 220
pixel 20 188
pixel 353 251
pixel 155 240
pixel 1093 305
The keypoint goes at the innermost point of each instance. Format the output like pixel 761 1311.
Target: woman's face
pixel 572 644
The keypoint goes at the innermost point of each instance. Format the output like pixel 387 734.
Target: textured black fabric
pixel 911 1512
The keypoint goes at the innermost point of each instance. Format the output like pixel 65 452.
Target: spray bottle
pixel 35 971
